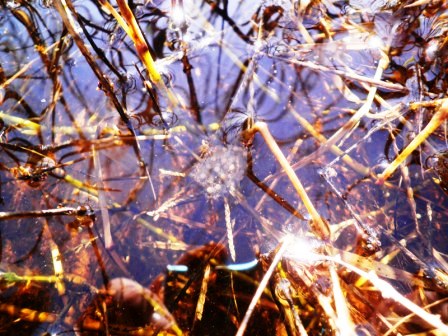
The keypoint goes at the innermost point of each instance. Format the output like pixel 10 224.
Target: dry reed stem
pixel 273 184
pixel 344 322
pixel 68 14
pixel 261 287
pixel 375 82
pixel 388 291
pixel 203 293
pixel 26 126
pixel 56 259
pixel 158 231
pixel 409 316
pixel 418 3
pixel 133 30
pixel 353 122
pixel 359 168
pixel 63 211
pixel 346 130
pixel 439 117
pixel 24 68
pixel 64 8
pixel 108 242
pixel 107 7
pixel 318 225
pixel 229 228
pixel 283 293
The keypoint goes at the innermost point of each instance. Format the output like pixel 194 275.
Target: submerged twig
pixel 318 225
pixel 64 211
pixel 63 8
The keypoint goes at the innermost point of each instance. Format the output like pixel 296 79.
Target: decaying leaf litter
pixel 231 167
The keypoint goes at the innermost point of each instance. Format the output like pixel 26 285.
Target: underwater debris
pixel 103 107
pixel 441 168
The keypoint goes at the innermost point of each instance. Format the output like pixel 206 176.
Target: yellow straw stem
pixel 319 227
pixel 137 37
pixel 129 24
pixel 19 122
pixel 359 168
pixel 439 117
pixel 109 8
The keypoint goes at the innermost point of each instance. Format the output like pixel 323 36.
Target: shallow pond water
pixel 136 205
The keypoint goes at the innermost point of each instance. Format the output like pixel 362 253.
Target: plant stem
pixel 318 225
pixel 131 27
pixel 439 117
pixel 261 287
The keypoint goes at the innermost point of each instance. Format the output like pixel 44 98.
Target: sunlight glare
pixel 178 15
pixel 303 250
